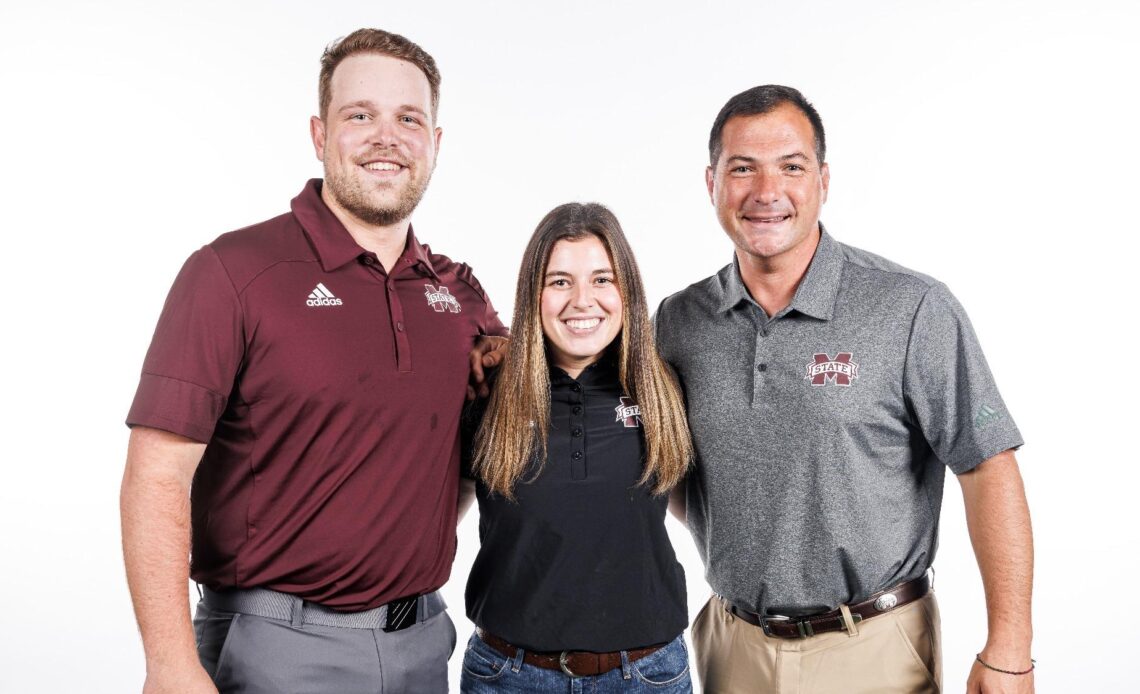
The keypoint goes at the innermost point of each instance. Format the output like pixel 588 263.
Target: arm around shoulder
pixel 155 512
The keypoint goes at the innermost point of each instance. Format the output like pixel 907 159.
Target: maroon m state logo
pixel 840 370
pixel 440 299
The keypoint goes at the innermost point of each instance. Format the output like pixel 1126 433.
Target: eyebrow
pixel 365 103
pixel 752 160
pixel 563 273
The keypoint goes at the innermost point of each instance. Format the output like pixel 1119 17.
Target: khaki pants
pixel 896 652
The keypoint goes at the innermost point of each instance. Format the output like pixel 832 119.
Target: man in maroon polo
pixel 307 374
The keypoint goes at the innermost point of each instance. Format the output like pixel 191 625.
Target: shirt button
pixel 577 432
pixel 367 260
pixel 400 326
pixel 576 455
pixel 762 367
pixel 577 409
pixel 576 387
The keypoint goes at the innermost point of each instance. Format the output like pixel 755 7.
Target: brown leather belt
pixel 573 663
pixel 802 627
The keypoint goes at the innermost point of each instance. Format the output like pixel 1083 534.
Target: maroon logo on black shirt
pixel 628 412
pixel 839 371
pixel 441 299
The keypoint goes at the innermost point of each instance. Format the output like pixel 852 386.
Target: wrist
pixel 1012 654
pixel 984 664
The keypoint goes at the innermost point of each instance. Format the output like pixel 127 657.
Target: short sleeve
pixel 950 389
pixel 195 353
pixel 489 323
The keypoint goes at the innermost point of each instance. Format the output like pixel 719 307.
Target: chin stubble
pixel 352 196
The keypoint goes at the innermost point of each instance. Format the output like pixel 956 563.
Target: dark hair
pixel 383 43
pixel 758 101
pixel 514 428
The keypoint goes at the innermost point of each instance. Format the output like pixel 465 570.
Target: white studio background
pixel 990 144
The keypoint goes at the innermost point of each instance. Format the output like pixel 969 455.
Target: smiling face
pixel 768 185
pixel 581 306
pixel 377 139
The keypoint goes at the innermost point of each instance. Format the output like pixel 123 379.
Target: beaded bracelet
pixel 1032 666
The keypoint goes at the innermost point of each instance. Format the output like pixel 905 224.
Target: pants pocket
pixel 482 662
pixel 212 631
pixel 666 668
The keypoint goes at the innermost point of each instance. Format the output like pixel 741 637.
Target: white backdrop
pixel 990 144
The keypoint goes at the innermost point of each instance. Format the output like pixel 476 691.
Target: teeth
pixel 382 166
pixel 583 324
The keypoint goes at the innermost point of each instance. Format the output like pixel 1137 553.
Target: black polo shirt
pixel 582 560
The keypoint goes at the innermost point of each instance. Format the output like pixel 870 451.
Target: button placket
pixel 762 363
pixel 395 312
pixel 577 433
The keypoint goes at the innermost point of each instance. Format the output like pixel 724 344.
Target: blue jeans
pixel 486 671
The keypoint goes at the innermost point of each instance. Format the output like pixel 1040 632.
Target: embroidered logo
pixel 986 416
pixel 840 371
pixel 628 412
pixel 440 299
pixel 321 296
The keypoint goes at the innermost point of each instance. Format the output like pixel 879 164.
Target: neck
pixel 772 281
pixel 386 241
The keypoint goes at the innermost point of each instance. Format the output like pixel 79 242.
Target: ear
pixel 709 183
pixel 317 132
pixel 438 137
pixel 825 179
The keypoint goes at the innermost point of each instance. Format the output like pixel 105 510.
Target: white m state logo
pixel 440 299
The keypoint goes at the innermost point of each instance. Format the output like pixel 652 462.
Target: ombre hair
pixel 513 432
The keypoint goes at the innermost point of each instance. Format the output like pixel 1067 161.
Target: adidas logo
pixel 321 296
pixel 986 416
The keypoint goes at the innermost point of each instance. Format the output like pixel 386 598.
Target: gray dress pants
pixel 258 655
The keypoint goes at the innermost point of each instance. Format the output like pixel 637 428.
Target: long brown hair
pixel 514 427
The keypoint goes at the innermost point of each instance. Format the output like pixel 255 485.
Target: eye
pixel 794 168
pixel 409 120
pixel 558 282
pixel 359 117
pixel 604 279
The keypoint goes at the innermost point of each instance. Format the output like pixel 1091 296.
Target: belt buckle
pixel 402 613
pixel 562 664
pixel 773 618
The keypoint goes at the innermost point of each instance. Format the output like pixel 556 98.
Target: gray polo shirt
pixel 823 432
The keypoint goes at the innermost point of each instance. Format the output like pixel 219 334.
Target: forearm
pixel 155 512
pixel 998 518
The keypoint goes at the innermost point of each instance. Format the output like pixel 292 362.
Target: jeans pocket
pixel 668 667
pixel 482 662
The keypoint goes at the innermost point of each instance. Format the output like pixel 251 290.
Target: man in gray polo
pixel 828 389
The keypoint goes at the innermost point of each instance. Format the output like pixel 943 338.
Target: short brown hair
pixel 384 43
pixel 758 101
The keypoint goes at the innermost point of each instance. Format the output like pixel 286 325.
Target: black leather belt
pixel 809 625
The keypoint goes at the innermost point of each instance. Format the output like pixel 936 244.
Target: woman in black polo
pixel 574 455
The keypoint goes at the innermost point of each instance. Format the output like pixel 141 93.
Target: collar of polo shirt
pixel 334 245
pixel 816 294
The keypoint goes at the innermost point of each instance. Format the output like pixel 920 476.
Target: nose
pixel 583 295
pixel 765 188
pixel 384 134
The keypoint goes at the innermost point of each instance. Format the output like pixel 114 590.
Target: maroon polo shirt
pixel 328 393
